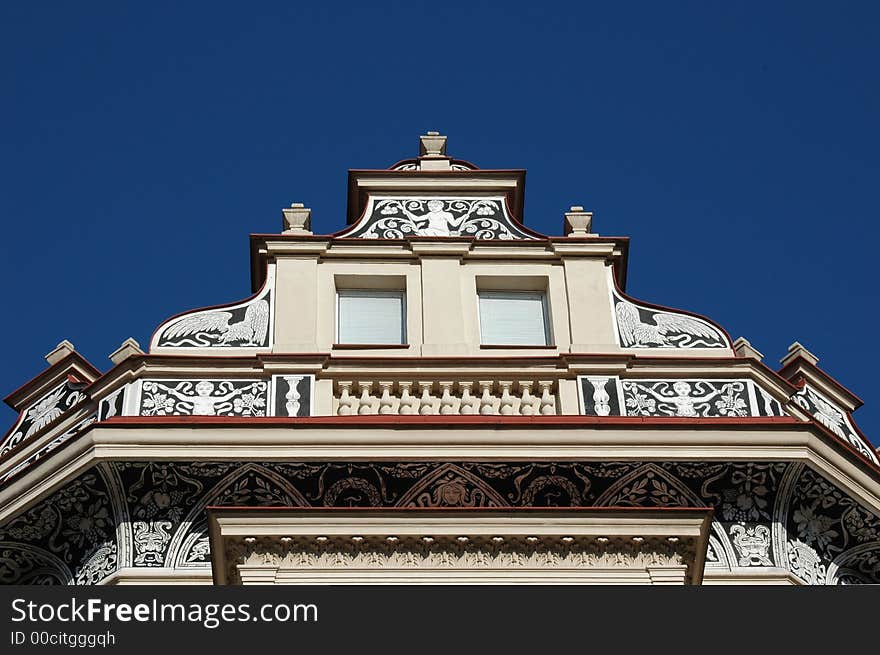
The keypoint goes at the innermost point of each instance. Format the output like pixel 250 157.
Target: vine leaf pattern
pixel 73 536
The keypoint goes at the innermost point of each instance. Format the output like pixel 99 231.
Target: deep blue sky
pixel 736 143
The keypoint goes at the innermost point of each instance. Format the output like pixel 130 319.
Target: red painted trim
pixel 669 309
pixel 791 369
pixel 72 358
pixel 376 420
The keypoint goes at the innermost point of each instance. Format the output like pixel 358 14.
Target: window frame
pixel 372 292
pixel 545 315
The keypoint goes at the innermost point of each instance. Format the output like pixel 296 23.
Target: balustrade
pixel 446 397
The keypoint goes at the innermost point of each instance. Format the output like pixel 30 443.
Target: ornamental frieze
pixel 639 326
pixel 43 412
pixel 830 415
pixel 684 398
pixel 246 325
pixel 396 217
pixel 153 514
pixel 205 397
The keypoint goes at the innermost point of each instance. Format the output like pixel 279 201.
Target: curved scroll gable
pixel 835 419
pixel 643 325
pixel 43 412
pixel 478 217
pixel 246 325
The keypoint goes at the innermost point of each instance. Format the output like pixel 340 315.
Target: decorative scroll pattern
pixel 645 327
pixel 399 217
pixel 203 398
pixel 686 398
pixel 246 325
pixel 775 514
pixel 416 166
pixel 834 418
pixel 43 412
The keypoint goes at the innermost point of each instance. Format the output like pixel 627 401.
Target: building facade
pixel 437 393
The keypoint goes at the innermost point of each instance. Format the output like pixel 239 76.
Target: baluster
pixel 526 403
pixel 426 403
pixel 345 399
pixel 487 402
pixel 366 406
pixel 386 402
pixel 447 402
pixel 548 405
pixel 506 399
pixel 406 400
pixel 600 396
pixel 467 401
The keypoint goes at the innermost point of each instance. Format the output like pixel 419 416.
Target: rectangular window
pixel 370 316
pixel 513 318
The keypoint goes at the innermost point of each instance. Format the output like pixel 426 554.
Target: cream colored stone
pixel 129 348
pixel 60 351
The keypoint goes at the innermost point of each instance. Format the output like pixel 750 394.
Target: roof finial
pixel 432 145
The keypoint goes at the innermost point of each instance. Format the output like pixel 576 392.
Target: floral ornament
pixel 731 403
pixel 857 523
pixel 45 411
pixel 641 404
pixel 827 415
pixel 157 404
pixel 747 500
pixel 87 525
pixel 814 527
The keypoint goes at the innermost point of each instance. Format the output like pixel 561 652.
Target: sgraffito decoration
pixel 686 398
pixel 244 325
pixel 646 327
pixel 152 514
pixel 203 398
pixel 62 438
pixel 388 217
pixel 293 395
pixel 828 414
pixel 43 412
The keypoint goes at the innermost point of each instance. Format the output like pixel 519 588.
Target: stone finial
pixel 432 145
pixel 796 351
pixel 129 348
pixel 743 348
pixel 578 222
pixel 297 219
pixel 61 351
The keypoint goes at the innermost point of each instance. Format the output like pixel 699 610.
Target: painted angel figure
pixel 685 403
pixel 437 222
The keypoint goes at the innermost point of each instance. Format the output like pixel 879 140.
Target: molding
pixel 414 439
pixel 541 545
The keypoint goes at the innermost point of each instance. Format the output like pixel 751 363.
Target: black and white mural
pixel 152 514
pixel 645 327
pixel 687 398
pixel 830 415
pixel 245 325
pixel 396 217
pixel 205 397
pixel 43 412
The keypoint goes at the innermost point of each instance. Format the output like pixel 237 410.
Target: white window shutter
pixel 513 318
pixel 368 316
